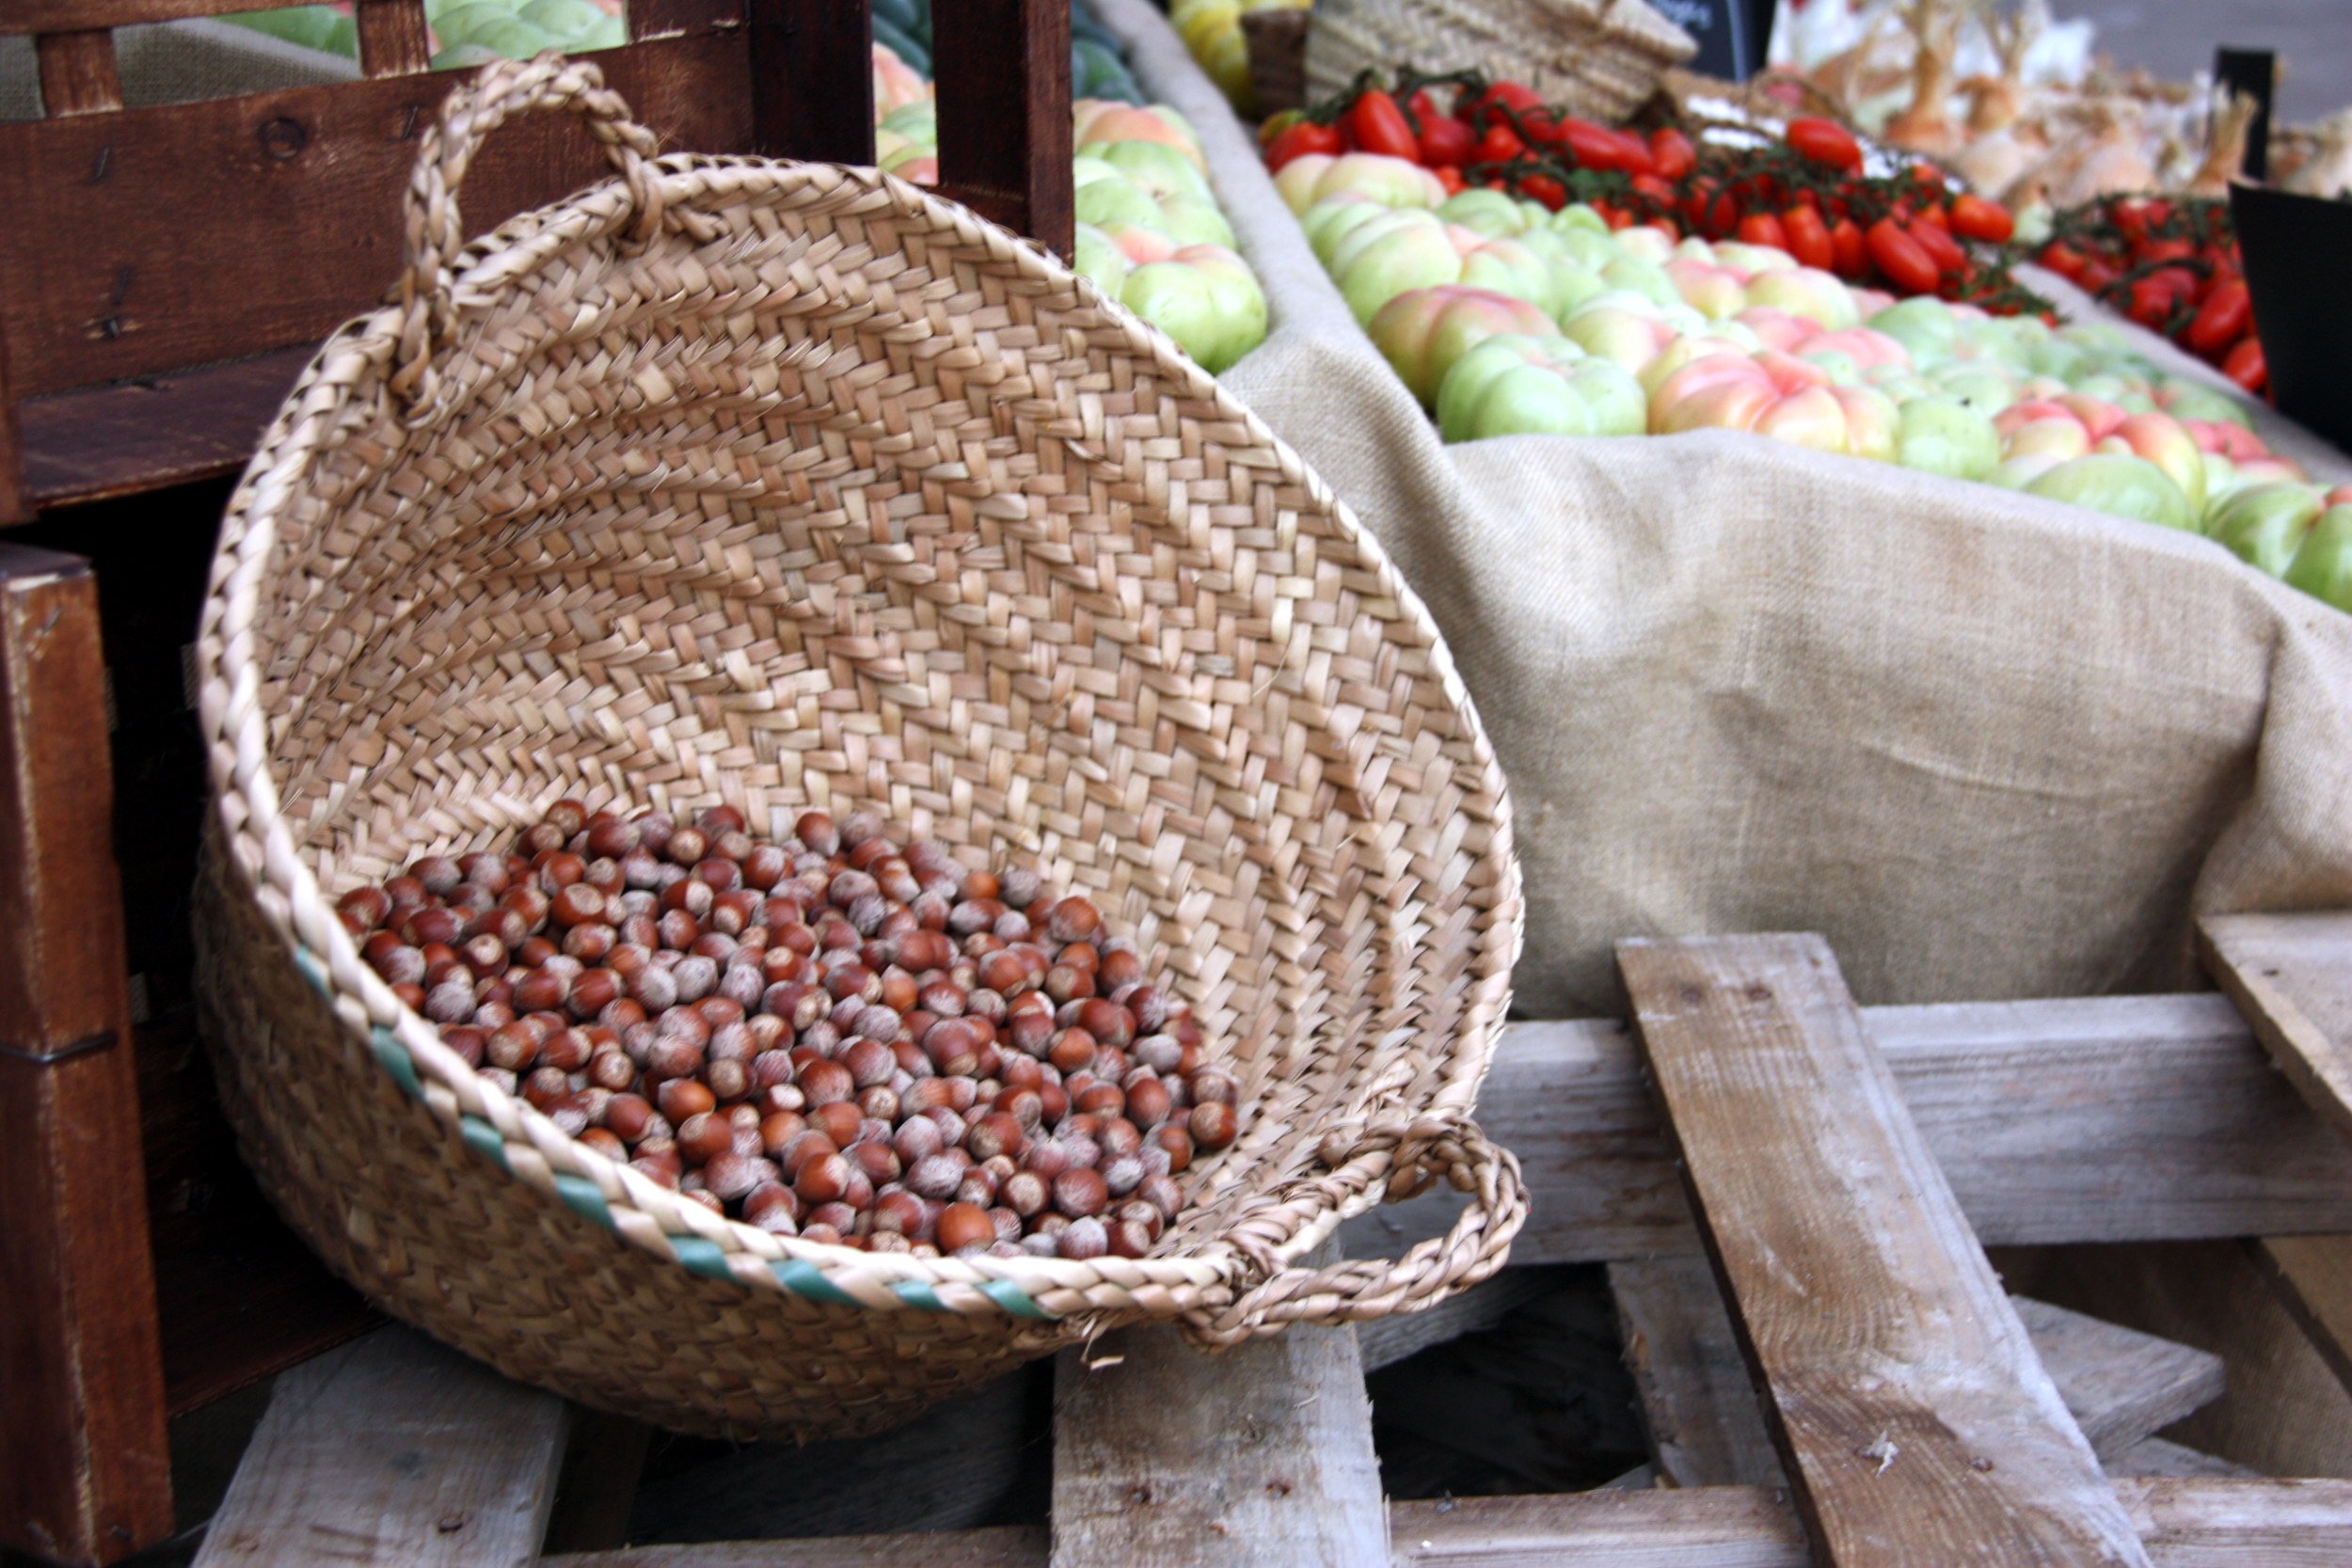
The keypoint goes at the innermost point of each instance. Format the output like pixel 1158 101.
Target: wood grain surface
pixel 393 1452
pixel 77 74
pixel 2292 976
pixel 814 96
pixel 1913 1417
pixel 393 37
pixel 2111 1118
pixel 1003 115
pixel 1168 1458
pixel 100 442
pixel 84 1465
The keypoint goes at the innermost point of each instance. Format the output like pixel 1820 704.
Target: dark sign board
pixel 2294 247
pixel 1732 35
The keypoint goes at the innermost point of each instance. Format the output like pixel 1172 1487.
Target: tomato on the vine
pixel 1445 140
pixel 2065 260
pixel 1374 124
pixel 1451 177
pixel 1851 255
pixel 1940 247
pixel 2223 319
pixel 1302 138
pixel 2244 365
pixel 1590 146
pixel 1499 145
pixel 1761 228
pixel 1497 103
pixel 1824 141
pixel 1672 151
pixel 1807 239
pixel 1899 256
pixel 1544 188
pixel 1975 218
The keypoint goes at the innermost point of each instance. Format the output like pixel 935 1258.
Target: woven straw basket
pixel 789 485
pixel 1600 58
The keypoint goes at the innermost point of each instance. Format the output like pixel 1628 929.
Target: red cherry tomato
pixel 2222 320
pixel 1302 138
pixel 1451 177
pixel 1940 247
pixel 2065 260
pixel 1446 141
pixel 1975 218
pixel 1852 255
pixel 1374 124
pixel 1544 188
pixel 1762 229
pixel 2244 365
pixel 1496 105
pixel 1825 141
pixel 1499 145
pixel 1807 238
pixel 1660 194
pixel 1899 256
pixel 1590 146
pixel 1672 151
pixel 1633 154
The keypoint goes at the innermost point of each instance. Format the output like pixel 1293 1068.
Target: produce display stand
pixel 165 276
pixel 1886 1403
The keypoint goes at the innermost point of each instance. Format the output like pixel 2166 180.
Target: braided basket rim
pixel 355 363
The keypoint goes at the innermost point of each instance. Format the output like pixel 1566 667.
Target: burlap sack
pixel 1991 746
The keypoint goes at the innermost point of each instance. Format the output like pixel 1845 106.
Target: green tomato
pixel 1114 201
pixel 1215 313
pixel 2120 487
pixel 1944 436
pixel 919 121
pixel 1374 264
pixel 1525 385
pixel 2265 525
pixel 1157 169
pixel 567 22
pixel 1484 212
pixel 1579 218
pixel 2184 399
pixel 311 26
pixel 1332 219
pixel 1508 267
pixel 464 56
pixel 1925 326
pixel 2126 392
pixel 1189 220
pixel 2323 567
pixel 1094 256
pixel 1646 279
pixel 512 37
pixel 1972 382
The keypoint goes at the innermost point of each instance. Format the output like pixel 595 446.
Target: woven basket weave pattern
pixel 1601 58
pixel 790 486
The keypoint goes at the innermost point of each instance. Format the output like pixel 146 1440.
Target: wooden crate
pixel 163 279
pixel 1828 1368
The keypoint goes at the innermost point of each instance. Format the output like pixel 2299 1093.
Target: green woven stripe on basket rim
pixel 699 1254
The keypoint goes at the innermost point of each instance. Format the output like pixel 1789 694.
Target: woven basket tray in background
pixel 789 485
pixel 1599 58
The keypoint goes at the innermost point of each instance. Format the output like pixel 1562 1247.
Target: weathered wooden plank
pixel 2111 1118
pixel 2291 975
pixel 812 87
pixel 1258 1456
pixel 190 233
pixel 1698 1407
pixel 393 37
pixel 83 1463
pixel 2157 1456
pixel 2312 1276
pixel 2120 1385
pixel 1003 115
pixel 1915 1421
pixel 141 436
pixel 396 1453
pixel 1706 1429
pixel 1385 1341
pixel 77 72
pixel 2187 1524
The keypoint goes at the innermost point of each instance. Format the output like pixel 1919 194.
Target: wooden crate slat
pixel 2157 1456
pixel 815 85
pixel 2188 1523
pixel 83 1463
pixel 661 19
pixel 1706 1429
pixel 1166 1458
pixel 1003 115
pixel 193 233
pixel 2111 1118
pixel 2292 975
pixel 393 37
pixel 77 72
pixel 1385 1341
pixel 1915 1421
pixel 2312 1276
pixel 395 1452
pixel 140 435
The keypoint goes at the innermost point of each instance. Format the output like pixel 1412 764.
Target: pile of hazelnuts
pixel 841 1036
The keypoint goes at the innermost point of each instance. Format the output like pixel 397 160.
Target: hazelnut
pixel 963 1227
pixel 1084 1238
pixel 1080 1193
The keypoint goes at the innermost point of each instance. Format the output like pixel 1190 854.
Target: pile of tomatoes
pixel 2170 265
pixel 1807 194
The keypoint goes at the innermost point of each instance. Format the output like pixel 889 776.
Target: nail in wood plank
pixel 2103 1119
pixel 83 1463
pixel 393 1452
pixel 1915 1421
pixel 2291 975
pixel 1261 1455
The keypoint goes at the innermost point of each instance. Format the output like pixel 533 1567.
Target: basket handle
pixel 1416 1152
pixel 435 232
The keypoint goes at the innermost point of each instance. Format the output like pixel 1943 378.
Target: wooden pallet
pixel 1842 1382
